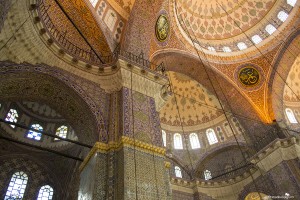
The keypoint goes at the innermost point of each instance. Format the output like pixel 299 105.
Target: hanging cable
pixel 214 89
pixel 134 140
pixel 45 133
pixel 39 148
pixel 268 61
pixel 180 120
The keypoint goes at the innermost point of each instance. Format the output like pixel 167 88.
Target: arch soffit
pixel 178 55
pixel 217 150
pixel 40 83
pixel 282 66
pixel 171 56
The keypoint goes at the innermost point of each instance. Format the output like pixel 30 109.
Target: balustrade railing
pixel 89 55
pixel 86 55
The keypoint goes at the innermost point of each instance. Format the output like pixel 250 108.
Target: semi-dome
pixel 192 105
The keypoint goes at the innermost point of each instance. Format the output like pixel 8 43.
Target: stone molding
pixel 145 81
pixel 124 142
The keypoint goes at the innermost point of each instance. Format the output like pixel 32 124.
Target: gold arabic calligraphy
pixel 162 28
pixel 249 76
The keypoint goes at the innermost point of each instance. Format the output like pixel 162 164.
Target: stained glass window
pixel 61 132
pixel 211 48
pixel 211 136
pixel 290 115
pixel 270 29
pixel 177 141
pixel 242 45
pixel 282 16
pixel 17 186
pixel 207 175
pixel 45 193
pixel 256 39
pixel 12 116
pixel 35 135
pixel 291 2
pixel 178 173
pixel 164 137
pixel 226 49
pixel 94 2
pixel 194 141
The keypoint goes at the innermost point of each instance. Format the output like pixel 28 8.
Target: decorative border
pixel 124 142
pixel 250 87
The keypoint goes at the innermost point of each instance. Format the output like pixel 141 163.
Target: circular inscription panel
pixel 249 76
pixel 162 28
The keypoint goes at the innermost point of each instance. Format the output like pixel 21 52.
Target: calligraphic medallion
pixel 162 28
pixel 249 76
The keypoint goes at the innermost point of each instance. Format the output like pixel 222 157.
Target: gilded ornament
pixel 249 76
pixel 162 28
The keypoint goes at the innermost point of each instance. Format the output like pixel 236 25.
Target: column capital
pixel 124 142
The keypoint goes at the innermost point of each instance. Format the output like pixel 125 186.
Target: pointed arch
pixel 178 141
pixel 58 89
pixel 283 65
pixel 194 140
pixel 211 136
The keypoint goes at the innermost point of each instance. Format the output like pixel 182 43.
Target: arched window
pixel 61 132
pixel 164 137
pixel 211 136
pixel 177 141
pixel 94 2
pixel 45 193
pixel 291 2
pixel 194 141
pixel 270 29
pixel 211 48
pixel 207 175
pixel 35 135
pixel 256 39
pixel 290 115
pixel 226 49
pixel 17 186
pixel 282 16
pixel 242 45
pixel 178 173
pixel 12 116
pixel 111 19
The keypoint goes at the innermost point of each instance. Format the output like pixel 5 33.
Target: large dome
pixel 217 24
